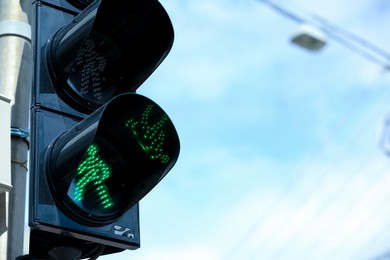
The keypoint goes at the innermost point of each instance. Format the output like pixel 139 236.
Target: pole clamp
pixel 20 132
pixel 16 28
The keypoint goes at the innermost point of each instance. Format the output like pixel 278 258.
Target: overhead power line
pixel 351 41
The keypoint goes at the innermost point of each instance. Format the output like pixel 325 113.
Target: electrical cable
pixel 351 41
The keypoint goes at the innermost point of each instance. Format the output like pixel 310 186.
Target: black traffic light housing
pixel 108 49
pixel 96 147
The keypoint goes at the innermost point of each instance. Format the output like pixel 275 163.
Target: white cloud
pixel 328 211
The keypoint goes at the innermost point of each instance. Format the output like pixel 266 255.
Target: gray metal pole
pixel 15 83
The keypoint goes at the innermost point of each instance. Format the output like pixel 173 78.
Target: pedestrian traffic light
pixel 97 147
pixel 104 165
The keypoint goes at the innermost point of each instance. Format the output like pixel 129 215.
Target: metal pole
pixel 15 83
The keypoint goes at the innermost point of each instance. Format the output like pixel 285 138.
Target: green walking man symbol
pixel 93 171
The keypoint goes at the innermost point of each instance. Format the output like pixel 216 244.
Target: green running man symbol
pixel 93 171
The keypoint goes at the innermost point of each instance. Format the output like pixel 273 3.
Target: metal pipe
pixel 15 83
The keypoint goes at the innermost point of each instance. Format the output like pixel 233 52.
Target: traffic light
pixel 97 147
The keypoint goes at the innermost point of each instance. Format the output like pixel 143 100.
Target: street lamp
pixel 309 37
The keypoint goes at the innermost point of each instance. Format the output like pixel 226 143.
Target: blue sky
pixel 280 147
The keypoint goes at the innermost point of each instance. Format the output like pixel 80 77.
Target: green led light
pixel 93 170
pixel 150 137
